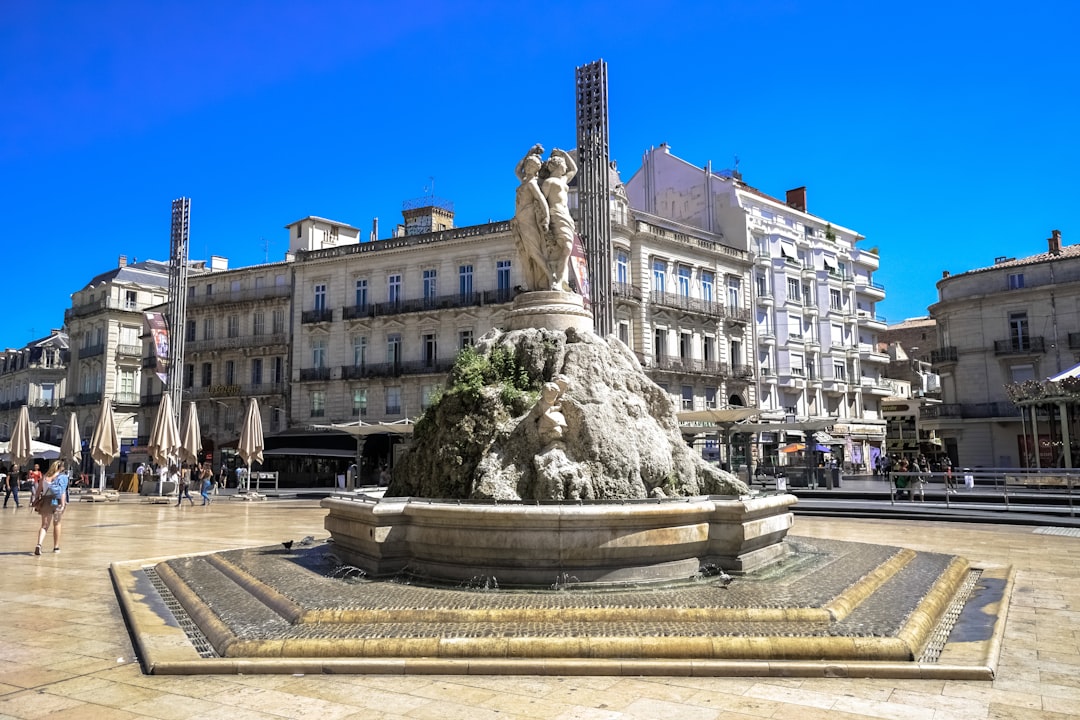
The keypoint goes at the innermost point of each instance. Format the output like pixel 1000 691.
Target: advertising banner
pixel 579 271
pixel 158 328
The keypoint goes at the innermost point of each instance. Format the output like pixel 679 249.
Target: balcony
pixel 129 350
pixel 871 288
pixel 127 398
pixel 354 312
pixel 957 411
pixel 686 303
pixel 868 353
pixel 192 347
pixel 765 300
pixel 317 316
pixel 735 315
pixel 1020 346
pixel 690 366
pixel 240 296
pixel 91 351
pixel 943 356
pixel 396 369
pixel 89 398
pixel 742 372
pixel 98 305
pixel 314 374
pixel 625 291
pixel 869 319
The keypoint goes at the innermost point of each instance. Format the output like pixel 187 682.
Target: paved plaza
pixel 65 652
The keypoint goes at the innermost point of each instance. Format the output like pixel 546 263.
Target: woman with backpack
pixel 50 501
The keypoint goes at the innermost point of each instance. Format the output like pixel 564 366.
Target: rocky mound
pixel 541 414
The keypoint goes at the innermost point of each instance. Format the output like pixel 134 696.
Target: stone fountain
pixel 550 452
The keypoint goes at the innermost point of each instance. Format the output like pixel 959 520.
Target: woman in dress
pixel 50 500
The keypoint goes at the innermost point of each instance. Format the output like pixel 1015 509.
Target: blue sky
pixel 947 138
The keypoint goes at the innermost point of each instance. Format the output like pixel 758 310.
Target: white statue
pixel 552 422
pixel 531 221
pixel 542 225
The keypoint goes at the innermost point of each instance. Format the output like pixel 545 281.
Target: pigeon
pixel 307 540
pixel 287 544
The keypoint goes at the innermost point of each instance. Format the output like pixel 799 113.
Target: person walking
pixel 223 481
pixel 206 483
pixel 184 482
pixel 50 503
pixel 11 485
pixel 950 481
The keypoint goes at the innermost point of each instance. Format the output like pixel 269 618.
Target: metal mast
pixel 594 189
pixel 178 278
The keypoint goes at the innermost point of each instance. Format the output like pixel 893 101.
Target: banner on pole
pixel 159 333
pixel 579 271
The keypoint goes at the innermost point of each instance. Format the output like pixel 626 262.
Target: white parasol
pixel 250 445
pixel 105 444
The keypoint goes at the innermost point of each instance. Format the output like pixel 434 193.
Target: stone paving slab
pixel 833 607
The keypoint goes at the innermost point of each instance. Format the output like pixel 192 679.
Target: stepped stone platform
pixel 830 608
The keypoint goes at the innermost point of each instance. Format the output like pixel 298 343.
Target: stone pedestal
pixel 549 309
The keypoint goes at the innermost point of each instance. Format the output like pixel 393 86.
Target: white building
pixel 811 292
pixel 36 376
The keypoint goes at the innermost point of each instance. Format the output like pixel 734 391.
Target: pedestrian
pixel 950 482
pixel 139 472
pixel 206 482
pixel 34 476
pixel 11 485
pixel 224 476
pixel 184 479
pixel 50 502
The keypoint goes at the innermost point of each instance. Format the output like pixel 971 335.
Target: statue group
pixel 542 225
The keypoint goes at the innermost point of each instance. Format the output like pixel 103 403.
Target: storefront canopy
pixel 363 429
pixel 718 415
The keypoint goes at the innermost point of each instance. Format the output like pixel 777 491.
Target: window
pixel 1022 373
pixel 189 375
pixel 278 320
pixel 430 285
pixel 465 278
pixel 209 289
pixel 258 323
pixel 687 397
pixel 318 353
pixel 835 299
pixel 839 371
pixel 735 353
pixel 279 370
pixel 359 402
pixel 318 403
pixel 811 364
pixel 189 331
pixel 795 327
pixel 256 371
pixel 622 268
pixel 359 351
pixel 232 326
pixel 393 348
pixel 427 395
pixel 797 366
pixel 734 290
pixel 234 286
pixel 191 291
pixel 684 281
pixel 659 343
pixel 793 289
pixel 361 293
pixel 624 333
pixel 230 372
pixel 707 286
pixel 684 345
pixel 1016 281
pixel 393 400
pixel 280 280
pixel 393 288
pixel 502 274
pixel 259 282
pixel 126 381
pixel 431 349
pixel 1019 335
pixel 837 336
pixel 207 374
pixel 465 339
pixel 320 297
pixel 130 300
pixel 710 398
pixel 208 329
pixel 709 349
pixel 659 273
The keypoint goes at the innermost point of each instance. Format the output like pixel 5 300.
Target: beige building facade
pixel 1014 321
pixel 35 376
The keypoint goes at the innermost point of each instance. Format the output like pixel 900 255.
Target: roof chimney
pixel 122 262
pixel 797 198
pixel 1055 242
pixel 944 274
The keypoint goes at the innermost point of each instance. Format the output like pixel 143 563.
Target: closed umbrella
pixel 250 445
pixel 105 444
pixel 21 445
pixel 164 443
pixel 191 437
pixel 71 447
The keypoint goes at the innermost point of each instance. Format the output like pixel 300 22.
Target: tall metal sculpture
pixel 594 188
pixel 179 239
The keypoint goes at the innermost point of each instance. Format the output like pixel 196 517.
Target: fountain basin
pixel 558 543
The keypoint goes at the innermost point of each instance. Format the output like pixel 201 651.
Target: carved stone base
pixel 551 310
